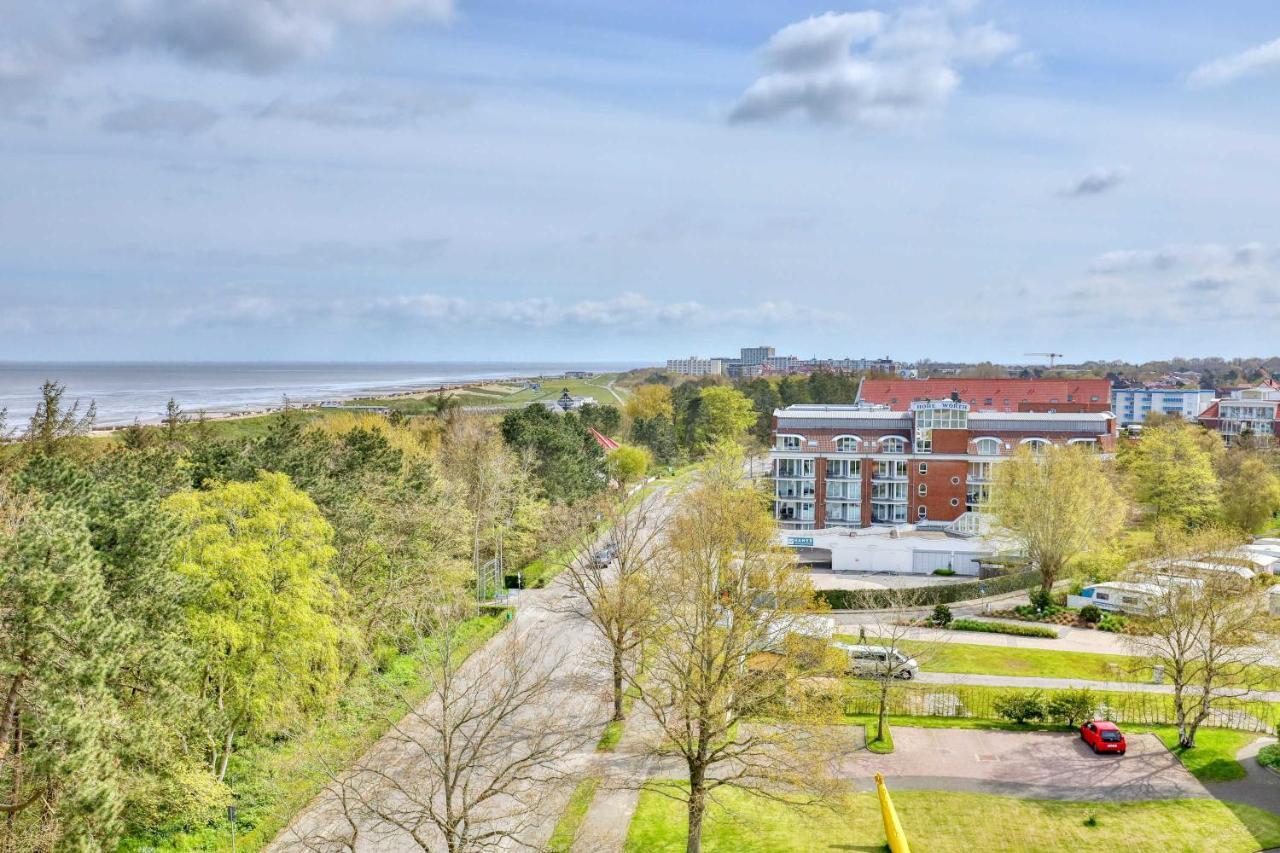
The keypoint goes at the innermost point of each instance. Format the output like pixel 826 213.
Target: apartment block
pixel 695 366
pixel 1133 405
pixel 1246 412
pixel 867 464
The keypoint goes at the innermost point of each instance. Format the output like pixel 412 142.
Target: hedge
pixel 980 701
pixel 1002 628
pixel 928 596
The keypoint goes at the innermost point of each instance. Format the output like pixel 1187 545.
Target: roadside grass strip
pixel 575 812
pixel 945 822
pixel 882 746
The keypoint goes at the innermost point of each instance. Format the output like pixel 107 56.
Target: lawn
pixel 937 822
pixel 574 814
pixel 957 657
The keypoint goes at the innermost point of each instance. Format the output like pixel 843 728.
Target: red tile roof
pixel 1003 394
pixel 604 441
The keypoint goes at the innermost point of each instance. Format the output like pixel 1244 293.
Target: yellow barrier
pixel 892 827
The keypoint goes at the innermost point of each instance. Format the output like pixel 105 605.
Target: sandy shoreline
pixel 310 406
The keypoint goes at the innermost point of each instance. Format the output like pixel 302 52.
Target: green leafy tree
pixel 264 619
pixel 650 401
pixel 54 426
pixel 174 420
pixel 628 465
pixel 658 434
pixel 794 389
pixel 764 399
pixel 58 783
pixel 724 414
pixel 1171 470
pixel 1056 505
pixel 1250 492
pixel 569 463
pixel 603 418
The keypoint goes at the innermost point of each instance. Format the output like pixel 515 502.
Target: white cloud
pixel 1226 69
pixel 869 67
pixel 365 107
pixel 1199 258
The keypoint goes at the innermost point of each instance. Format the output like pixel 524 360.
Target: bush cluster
pixel 1112 622
pixel 1069 707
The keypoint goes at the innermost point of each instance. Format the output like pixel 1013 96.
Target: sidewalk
pixel 1260 788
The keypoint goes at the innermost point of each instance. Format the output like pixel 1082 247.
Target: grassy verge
pixel 880 746
pixel 1212 759
pixel 986 627
pixel 574 814
pixel 942 821
pixel 274 781
pixel 612 735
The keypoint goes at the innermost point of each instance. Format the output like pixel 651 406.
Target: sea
pixel 125 392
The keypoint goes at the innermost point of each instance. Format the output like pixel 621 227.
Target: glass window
pixel 924 468
pixel 921 511
pixel 987 446
pixel 922 490
pixel 789 442
pixel 847 444
pixel 893 444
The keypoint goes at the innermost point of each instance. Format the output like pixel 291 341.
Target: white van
pixel 878 662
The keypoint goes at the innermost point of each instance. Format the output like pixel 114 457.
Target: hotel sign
pixel 800 541
pixel 934 405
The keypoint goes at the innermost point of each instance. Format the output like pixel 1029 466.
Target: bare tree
pixel 728 600
pixel 613 585
pixel 1206 624
pixel 890 653
pixel 472 769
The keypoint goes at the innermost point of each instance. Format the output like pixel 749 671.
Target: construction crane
pixel 1052 356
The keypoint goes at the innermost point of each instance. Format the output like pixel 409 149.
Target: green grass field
pixel 1041 663
pixel 937 822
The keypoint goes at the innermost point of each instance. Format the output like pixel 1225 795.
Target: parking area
pixel 1036 765
pixel 828 579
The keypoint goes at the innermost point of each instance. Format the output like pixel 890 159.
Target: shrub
pixel 1020 707
pixel 1071 706
pixel 1091 821
pixel 1091 614
pixel 1002 628
pixel 1269 756
pixel 877 599
pixel 1041 599
pixel 941 616
pixel 944 572
pixel 1113 623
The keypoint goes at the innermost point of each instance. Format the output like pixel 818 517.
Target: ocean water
pixel 125 391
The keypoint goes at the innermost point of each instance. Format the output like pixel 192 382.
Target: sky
pixel 597 179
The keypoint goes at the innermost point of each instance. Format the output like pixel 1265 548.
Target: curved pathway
pixel 1261 787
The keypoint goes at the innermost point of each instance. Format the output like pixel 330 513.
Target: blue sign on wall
pixel 800 541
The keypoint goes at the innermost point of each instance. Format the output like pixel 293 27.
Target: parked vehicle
pixel 878 662
pixel 1103 736
pixel 606 555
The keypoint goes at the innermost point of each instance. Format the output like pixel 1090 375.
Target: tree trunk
pixel 617 685
pixel 884 709
pixel 697 807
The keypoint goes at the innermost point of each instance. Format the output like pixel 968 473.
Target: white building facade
pixel 1133 405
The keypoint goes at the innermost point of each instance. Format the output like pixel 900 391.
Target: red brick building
pixel 854 466
pixel 992 395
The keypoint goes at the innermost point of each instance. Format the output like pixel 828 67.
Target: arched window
pixel 987 446
pixel 847 443
pixel 893 444
pixel 1091 442
pixel 921 512
pixel 1037 445
pixel 789 442
pixel 922 490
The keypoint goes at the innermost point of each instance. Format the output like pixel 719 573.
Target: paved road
pixel 1069 639
pixel 578 701
pixel 1068 683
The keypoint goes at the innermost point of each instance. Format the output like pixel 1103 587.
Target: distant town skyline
pixel 571 180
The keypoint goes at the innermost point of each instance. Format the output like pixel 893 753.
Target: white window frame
pixel 779 443
pixel 978 443
pixel 897 441
pixel 857 443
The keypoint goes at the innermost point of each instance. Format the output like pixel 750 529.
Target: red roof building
pixel 992 395
pixel 606 443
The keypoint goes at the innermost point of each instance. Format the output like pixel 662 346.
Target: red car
pixel 1103 736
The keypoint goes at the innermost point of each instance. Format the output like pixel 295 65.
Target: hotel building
pixel 868 464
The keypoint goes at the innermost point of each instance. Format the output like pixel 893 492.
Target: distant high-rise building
pixel 695 366
pixel 756 355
